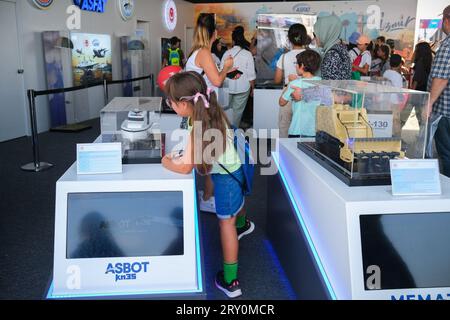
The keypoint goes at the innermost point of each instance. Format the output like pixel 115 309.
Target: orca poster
pixel 91 58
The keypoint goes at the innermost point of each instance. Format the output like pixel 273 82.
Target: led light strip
pixel 305 229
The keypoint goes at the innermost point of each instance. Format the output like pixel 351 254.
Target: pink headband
pixel 200 95
pixel 208 92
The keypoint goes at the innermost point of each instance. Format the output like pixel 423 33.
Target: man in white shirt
pixel 241 88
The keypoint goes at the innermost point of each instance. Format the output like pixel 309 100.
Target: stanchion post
pixel 152 82
pixel 36 165
pixel 105 91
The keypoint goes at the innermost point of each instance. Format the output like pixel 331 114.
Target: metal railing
pixel 37 165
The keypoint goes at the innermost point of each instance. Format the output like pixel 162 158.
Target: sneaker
pixel 208 205
pixel 246 229
pixel 232 290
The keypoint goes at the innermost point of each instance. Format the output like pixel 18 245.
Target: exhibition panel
pixel 129 234
pixel 364 242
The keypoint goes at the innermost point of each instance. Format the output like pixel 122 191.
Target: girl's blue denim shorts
pixel 228 194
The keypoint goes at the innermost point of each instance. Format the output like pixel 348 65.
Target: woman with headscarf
pixel 336 63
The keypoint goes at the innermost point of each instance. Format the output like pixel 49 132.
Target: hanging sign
pixel 91 5
pixel 43 4
pixel 170 14
pixel 126 8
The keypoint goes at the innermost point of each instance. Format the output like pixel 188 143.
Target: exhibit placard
pixel 99 158
pixel 381 124
pixel 415 177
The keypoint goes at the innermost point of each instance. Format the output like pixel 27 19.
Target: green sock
pixel 230 271
pixel 240 221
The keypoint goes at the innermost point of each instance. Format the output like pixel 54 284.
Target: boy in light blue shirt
pixel 303 122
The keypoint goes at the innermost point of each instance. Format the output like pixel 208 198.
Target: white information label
pixel 415 177
pixel 381 124
pixel 99 158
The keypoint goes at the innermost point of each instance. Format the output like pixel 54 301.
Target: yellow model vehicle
pixel 351 127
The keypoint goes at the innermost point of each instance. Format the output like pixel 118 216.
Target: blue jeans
pixel 442 140
pixel 228 194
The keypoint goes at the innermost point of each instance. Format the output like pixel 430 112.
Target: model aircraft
pixel 86 65
pixel 128 4
pixel 100 53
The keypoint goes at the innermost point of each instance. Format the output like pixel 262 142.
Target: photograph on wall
pixel 429 29
pixel 396 20
pixel 91 58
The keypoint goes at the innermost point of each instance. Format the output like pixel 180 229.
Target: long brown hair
pixel 204 32
pixel 186 84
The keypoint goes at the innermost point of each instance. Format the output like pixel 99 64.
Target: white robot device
pixel 136 127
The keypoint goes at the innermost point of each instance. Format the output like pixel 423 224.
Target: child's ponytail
pixel 192 87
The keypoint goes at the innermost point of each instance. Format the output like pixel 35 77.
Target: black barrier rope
pixel 87 86
pixel 36 165
pixel 124 81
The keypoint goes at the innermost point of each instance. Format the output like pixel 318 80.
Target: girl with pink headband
pixel 211 140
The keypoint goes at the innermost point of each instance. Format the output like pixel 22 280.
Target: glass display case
pixel 134 121
pixel 273 42
pixel 360 126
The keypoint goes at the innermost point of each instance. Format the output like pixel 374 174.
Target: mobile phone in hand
pixel 233 74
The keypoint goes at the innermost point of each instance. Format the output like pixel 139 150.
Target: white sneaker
pixel 208 205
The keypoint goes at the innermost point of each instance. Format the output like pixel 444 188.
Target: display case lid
pixel 357 86
pixel 120 104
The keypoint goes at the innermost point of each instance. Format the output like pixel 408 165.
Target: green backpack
pixel 174 57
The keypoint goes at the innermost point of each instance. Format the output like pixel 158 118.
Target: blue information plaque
pixel 415 177
pixel 99 158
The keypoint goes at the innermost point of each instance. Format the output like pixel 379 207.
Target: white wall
pixel 33 21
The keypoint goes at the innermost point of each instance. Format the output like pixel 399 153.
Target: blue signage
pixel 302 8
pixel 127 271
pixel 91 5
pixel 438 296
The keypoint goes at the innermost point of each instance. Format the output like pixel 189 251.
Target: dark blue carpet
pixel 27 225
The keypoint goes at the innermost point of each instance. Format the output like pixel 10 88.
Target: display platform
pixel 265 104
pixel 132 235
pixel 341 242
pixel 129 235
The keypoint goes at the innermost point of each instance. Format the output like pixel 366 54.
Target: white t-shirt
pixel 290 63
pixel 243 60
pixel 365 59
pixel 395 78
pixel 191 66
pixel 354 53
pixel 216 60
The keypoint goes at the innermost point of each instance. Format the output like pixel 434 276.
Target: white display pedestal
pixel 93 268
pixel 266 108
pixel 314 225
